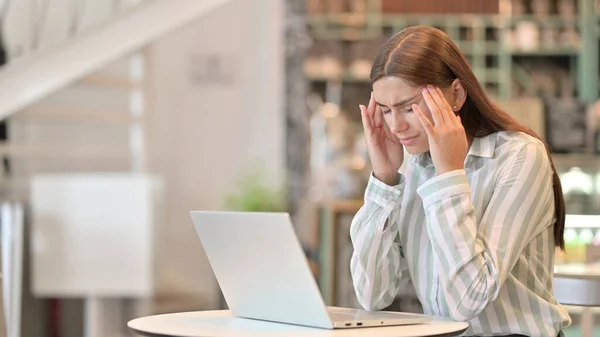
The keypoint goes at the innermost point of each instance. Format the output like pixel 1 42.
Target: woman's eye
pixel 408 110
pixel 385 112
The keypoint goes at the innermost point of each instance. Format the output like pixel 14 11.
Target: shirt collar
pixel 483 146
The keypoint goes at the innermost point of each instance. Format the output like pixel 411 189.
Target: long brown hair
pixel 425 55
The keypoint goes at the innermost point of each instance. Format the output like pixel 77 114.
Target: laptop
pixel 264 275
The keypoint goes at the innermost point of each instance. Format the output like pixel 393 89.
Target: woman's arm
pixel 473 267
pixel 377 266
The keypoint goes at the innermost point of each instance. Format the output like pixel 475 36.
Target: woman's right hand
pixel 385 150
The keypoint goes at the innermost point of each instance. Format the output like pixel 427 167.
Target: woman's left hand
pixel 448 143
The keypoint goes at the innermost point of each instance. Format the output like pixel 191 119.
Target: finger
pixel 459 121
pixel 378 117
pixel 371 106
pixel 423 120
pixel 371 110
pixel 436 114
pixel 442 103
pixel 365 121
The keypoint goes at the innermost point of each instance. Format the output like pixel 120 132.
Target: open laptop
pixel 263 273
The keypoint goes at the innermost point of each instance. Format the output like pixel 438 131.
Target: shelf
pixel 548 21
pixel 442 20
pixel 342 19
pixel 576 159
pixel 481 38
pixel 345 34
pixel 393 20
pixel 343 205
pixel 545 52
pixel 478 48
pixel 489 75
pixel 369 26
pixel 448 20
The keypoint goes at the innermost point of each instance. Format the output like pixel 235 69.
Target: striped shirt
pixel 475 245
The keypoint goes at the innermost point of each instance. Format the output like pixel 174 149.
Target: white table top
pixel 222 323
pixel 577 284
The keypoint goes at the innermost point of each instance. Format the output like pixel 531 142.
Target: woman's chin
pixel 416 150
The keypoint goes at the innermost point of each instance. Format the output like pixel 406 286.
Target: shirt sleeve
pixel 377 265
pixel 474 266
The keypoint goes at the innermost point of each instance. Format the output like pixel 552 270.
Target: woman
pixel 471 220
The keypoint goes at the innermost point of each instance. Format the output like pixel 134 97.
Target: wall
pixel 217 108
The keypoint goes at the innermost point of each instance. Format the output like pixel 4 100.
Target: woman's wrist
pixel 391 179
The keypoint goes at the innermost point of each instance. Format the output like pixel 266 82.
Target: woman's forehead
pixel 394 90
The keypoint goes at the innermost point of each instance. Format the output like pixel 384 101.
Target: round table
pixel 579 285
pixel 223 323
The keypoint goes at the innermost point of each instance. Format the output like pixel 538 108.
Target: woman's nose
pixel 397 124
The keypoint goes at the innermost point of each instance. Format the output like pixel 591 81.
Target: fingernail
pixel 430 87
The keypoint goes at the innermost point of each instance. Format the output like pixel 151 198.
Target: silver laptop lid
pixel 261 267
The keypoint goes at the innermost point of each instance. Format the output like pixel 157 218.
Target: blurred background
pixel 118 117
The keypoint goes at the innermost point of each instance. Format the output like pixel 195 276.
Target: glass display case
pixel 580 178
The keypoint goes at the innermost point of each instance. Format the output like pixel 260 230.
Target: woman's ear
pixel 459 95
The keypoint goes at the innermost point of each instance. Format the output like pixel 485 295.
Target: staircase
pixel 73 92
pixel 93 125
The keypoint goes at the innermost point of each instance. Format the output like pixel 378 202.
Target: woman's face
pixel 394 96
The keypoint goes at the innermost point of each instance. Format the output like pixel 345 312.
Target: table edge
pixel 153 334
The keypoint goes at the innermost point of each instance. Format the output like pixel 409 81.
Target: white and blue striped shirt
pixel 476 245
